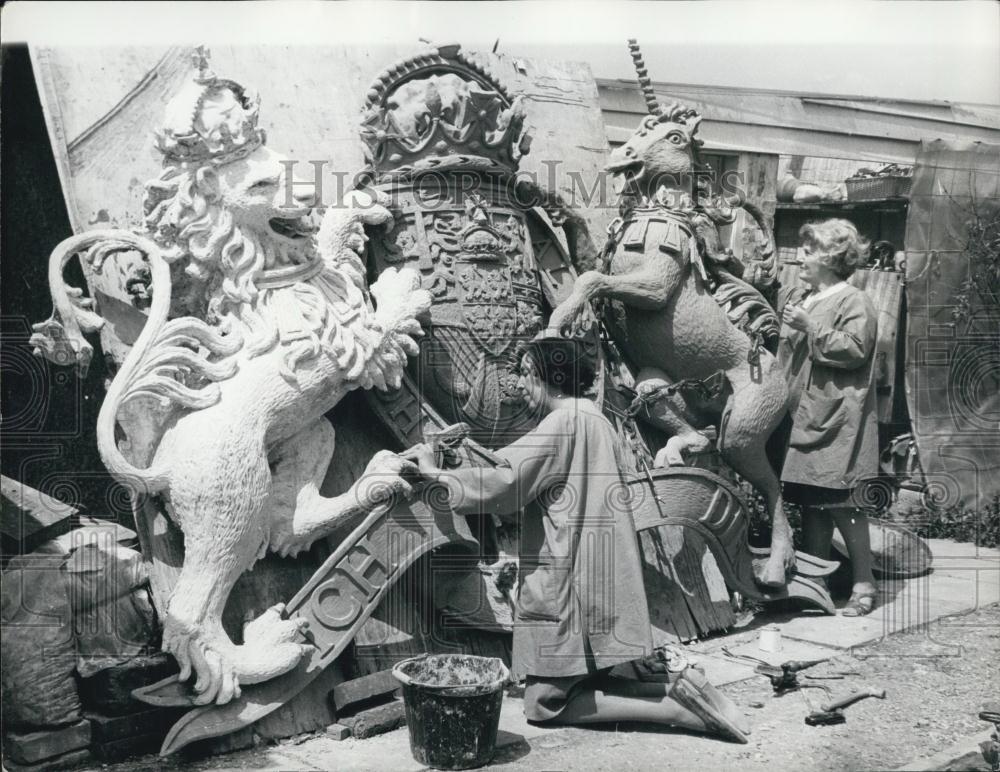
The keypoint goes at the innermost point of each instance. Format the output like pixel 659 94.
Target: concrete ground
pixel 933 644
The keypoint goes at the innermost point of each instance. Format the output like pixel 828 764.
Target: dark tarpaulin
pixel 953 366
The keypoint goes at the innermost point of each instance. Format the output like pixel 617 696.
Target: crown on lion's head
pixel 219 206
pixel 211 120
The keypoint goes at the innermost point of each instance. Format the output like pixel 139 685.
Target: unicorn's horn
pixel 644 82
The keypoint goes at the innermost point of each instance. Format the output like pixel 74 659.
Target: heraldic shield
pixel 443 140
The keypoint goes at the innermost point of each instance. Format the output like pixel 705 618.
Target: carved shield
pixel 475 256
pixel 486 297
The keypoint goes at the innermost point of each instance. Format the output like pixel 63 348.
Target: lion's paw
pixel 382 480
pixel 272 628
pixel 214 667
pixel 369 206
pixel 397 292
pixel 271 645
pixel 395 283
pixel 341 234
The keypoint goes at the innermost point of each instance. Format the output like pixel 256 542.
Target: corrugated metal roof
pixel 811 124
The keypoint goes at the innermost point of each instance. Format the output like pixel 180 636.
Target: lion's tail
pixel 163 352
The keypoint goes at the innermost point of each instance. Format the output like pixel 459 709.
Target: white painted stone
pixel 271 329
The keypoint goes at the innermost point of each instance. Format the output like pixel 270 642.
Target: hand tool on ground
pixel 784 677
pixel 833 712
pixel 991 748
pixel 833 676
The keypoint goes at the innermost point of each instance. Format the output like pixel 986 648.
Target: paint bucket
pixel 452 707
pixel 769 640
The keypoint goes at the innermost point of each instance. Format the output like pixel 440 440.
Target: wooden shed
pixel 770 135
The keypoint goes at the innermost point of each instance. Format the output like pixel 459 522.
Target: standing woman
pixel 827 352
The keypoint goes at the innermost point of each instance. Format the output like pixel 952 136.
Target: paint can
pixel 770 639
pixel 452 707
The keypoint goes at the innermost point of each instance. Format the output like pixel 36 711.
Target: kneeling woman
pixel 582 605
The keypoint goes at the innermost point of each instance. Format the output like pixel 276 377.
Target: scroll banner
pixel 953 359
pixel 337 600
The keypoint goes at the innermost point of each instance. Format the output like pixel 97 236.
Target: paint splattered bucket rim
pixel 453 690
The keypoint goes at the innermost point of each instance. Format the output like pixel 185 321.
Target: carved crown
pixel 479 241
pixel 211 119
pixel 441 109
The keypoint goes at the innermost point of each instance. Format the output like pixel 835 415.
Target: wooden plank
pixel 735 136
pixel 137 722
pixel 885 288
pixel 708 610
pixel 376 721
pixel 718 593
pixel 364 688
pixel 28 517
pixel 669 616
pixel 50 94
pixel 32 747
pixel 685 591
pixel 338 732
pixel 110 690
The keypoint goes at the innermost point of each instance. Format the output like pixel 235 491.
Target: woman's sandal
pixel 859 605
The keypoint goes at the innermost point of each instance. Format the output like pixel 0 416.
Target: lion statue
pixel 272 327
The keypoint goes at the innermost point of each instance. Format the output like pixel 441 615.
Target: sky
pixel 904 50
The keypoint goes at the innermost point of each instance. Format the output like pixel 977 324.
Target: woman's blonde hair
pixel 841 248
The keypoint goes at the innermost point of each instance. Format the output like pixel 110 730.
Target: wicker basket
pixel 876 188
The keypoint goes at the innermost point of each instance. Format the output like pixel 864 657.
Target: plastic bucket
pixel 452 707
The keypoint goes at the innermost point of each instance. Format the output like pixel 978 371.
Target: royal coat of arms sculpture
pixel 443 138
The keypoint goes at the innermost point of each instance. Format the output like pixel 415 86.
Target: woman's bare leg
pixel 599 706
pixel 853 526
pixel 615 699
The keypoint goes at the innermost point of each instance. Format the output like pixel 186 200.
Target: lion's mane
pixel 220 260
